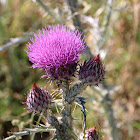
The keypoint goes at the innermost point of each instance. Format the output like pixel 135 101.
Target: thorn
pixel 24 103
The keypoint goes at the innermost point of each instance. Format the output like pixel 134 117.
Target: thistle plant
pixel 56 50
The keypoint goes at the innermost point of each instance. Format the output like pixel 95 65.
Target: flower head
pixel 90 134
pixel 38 99
pixel 56 50
pixel 92 71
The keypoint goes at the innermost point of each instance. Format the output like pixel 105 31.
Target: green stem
pixel 39 119
pixel 66 114
pixel 74 91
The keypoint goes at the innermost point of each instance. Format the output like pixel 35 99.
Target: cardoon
pixel 92 71
pixel 38 99
pixel 56 49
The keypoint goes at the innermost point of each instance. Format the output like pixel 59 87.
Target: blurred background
pixel 111 28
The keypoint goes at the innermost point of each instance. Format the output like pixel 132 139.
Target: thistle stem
pixel 74 91
pixel 66 114
pixel 69 97
pixel 60 130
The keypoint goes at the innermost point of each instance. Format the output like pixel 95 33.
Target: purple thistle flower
pixel 92 71
pixel 38 99
pixel 56 50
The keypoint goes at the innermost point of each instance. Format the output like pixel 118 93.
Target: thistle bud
pixel 92 71
pixel 90 134
pixel 38 99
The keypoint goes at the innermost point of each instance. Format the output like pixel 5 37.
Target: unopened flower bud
pixel 90 134
pixel 92 71
pixel 38 99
